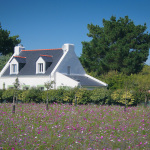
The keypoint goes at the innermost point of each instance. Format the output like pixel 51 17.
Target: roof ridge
pixel 43 49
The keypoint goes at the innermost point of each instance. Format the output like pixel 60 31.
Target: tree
pixel 143 83
pixel 48 86
pixel 119 45
pixel 16 88
pixel 7 42
pixel 4 59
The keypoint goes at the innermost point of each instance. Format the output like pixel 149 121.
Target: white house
pixel 35 67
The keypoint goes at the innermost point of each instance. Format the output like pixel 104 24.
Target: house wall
pixel 69 59
pixel 28 81
pixel 62 80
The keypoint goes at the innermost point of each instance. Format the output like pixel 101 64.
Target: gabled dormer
pixel 16 64
pixel 43 63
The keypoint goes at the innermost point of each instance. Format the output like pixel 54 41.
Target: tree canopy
pixel 7 42
pixel 119 45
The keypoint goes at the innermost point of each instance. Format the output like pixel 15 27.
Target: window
pixel 25 88
pixel 41 88
pixel 68 70
pixel 14 68
pixel 40 67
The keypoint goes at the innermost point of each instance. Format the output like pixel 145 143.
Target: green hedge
pixel 99 96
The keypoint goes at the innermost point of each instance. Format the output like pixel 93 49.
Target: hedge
pixel 99 96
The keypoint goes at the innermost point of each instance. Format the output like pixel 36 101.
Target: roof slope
pixel 31 58
pixel 85 81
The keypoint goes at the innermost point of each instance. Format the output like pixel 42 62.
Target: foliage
pixel 83 96
pixel 122 97
pixel 32 95
pixel 1 93
pixel 69 96
pixel 99 96
pixel 52 96
pixel 7 42
pixel 49 85
pixel 118 45
pixel 8 95
pixel 4 59
pixel 114 79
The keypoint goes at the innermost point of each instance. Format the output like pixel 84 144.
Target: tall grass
pixel 83 127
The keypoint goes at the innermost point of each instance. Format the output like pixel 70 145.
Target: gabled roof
pixel 85 81
pixel 31 58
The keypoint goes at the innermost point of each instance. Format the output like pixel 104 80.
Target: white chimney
pixel 68 47
pixel 18 49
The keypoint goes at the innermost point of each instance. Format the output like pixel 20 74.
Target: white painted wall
pixel 18 49
pixel 24 81
pixel 69 59
pixel 62 80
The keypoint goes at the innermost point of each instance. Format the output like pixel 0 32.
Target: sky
pixel 46 24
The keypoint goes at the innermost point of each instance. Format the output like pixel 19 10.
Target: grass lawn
pixel 85 127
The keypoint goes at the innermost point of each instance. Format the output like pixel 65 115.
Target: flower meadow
pixel 85 127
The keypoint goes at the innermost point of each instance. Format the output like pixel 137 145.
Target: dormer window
pixel 14 68
pixel 43 63
pixel 40 68
pixel 16 64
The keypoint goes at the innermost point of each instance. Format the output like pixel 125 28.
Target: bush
pixel 8 95
pixel 31 95
pixel 69 96
pixel 122 97
pixel 100 96
pixel 83 96
pixel 52 96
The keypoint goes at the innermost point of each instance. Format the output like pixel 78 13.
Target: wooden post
pixel 75 100
pixel 13 107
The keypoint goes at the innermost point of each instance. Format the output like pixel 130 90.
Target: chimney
pixel 18 49
pixel 68 47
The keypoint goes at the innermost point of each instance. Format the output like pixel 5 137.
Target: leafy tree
pixel 143 82
pixel 4 59
pixel 7 42
pixel 118 45
pixel 122 97
pixel 48 86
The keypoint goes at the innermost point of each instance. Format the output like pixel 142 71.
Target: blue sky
pixel 44 24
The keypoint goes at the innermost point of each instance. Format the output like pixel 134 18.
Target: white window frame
pixel 40 66
pixel 14 68
pixel 14 65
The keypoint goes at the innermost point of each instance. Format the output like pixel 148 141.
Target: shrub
pixel 99 96
pixel 52 96
pixel 83 96
pixel 8 95
pixel 122 97
pixel 69 96
pixel 31 95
